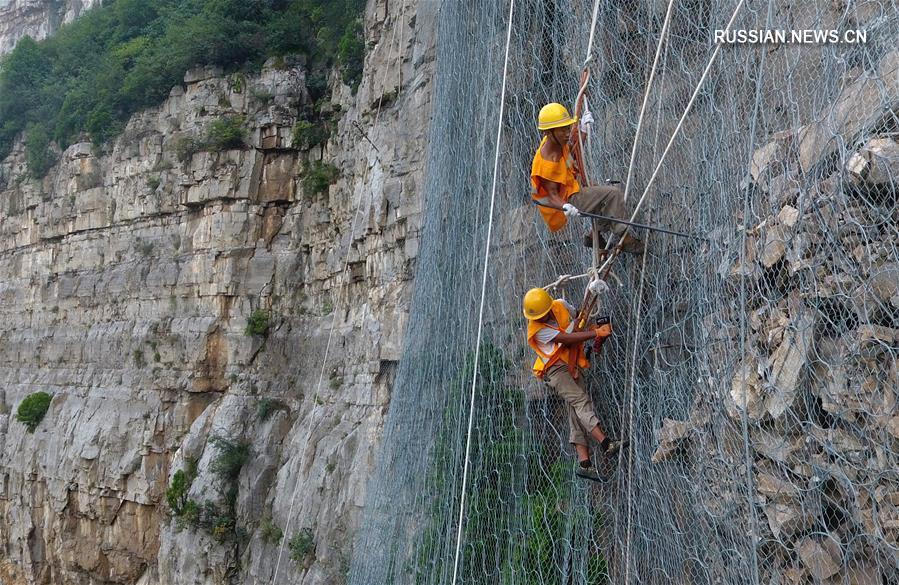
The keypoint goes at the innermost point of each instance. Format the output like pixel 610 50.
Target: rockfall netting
pixel 754 373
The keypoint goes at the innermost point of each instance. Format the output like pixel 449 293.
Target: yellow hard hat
pixel 537 303
pixel 554 116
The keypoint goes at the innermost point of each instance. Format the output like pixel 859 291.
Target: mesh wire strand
pixel 774 343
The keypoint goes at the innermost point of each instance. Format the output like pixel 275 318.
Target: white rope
pixel 630 390
pixel 652 74
pixel 564 279
pixel 630 450
pixel 680 124
pixel 321 374
pixel 633 369
pixel 592 33
pixel 477 350
pixel 683 117
pixel 631 384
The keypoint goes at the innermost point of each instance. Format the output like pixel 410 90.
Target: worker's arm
pixel 552 194
pixel 592 332
pixel 578 337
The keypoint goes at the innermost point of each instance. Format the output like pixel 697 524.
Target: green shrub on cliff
pixel 301 546
pixel 258 323
pixel 269 531
pixel 351 53
pixel 176 494
pixel 37 152
pixel 319 176
pixel 32 410
pixel 226 133
pixel 232 454
pixel 184 509
pixel 126 55
pixel 307 135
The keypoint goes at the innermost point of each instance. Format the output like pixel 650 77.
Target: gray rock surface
pixel 127 278
pixel 816 383
pixel 36 18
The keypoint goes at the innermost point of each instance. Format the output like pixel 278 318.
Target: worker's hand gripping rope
pixel 586 123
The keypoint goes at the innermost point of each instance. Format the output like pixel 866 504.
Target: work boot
pixel 632 245
pixel 588 472
pixel 612 446
pixel 588 240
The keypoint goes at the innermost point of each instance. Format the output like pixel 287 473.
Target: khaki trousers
pixel 602 200
pixel 581 415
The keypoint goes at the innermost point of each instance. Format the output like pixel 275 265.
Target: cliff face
pixel 127 279
pixel 36 18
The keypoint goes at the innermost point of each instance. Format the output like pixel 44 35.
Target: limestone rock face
pixel 36 18
pixel 814 380
pixel 128 277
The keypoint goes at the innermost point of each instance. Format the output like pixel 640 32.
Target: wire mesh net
pixel 753 373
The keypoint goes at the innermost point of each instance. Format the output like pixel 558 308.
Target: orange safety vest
pixel 561 353
pixel 560 171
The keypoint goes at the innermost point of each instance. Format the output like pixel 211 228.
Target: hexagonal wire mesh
pixel 754 374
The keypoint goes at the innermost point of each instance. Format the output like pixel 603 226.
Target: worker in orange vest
pixel 554 183
pixel 548 321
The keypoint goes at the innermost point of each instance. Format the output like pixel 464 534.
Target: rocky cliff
pixel 128 277
pixel 36 18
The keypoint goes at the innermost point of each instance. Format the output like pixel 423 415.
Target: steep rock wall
pixel 127 277
pixel 36 18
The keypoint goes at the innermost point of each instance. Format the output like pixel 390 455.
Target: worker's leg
pixel 574 393
pixel 605 200
pixel 577 436
pixel 583 453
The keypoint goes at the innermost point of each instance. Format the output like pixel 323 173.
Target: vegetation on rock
pixel 319 176
pixel 217 515
pixel 267 407
pixel 301 546
pixel 32 410
pixel 258 323
pixel 226 133
pixel 126 56
pixel 269 531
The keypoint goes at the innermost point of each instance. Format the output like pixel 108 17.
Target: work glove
pixel 598 286
pixel 603 331
pixel 586 122
pixel 570 210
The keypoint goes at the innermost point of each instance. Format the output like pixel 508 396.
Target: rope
pixel 321 374
pixel 583 87
pixel 315 405
pixel 477 351
pixel 592 34
pixel 652 74
pixel 565 278
pixel 632 374
pixel 631 380
pixel 630 450
pixel 680 124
